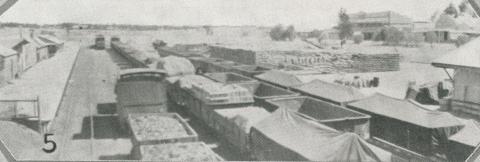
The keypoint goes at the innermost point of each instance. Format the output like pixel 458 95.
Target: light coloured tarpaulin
pixel 175 66
pixel 287 135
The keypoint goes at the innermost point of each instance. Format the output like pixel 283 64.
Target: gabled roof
pixel 34 40
pixel 50 39
pixel 279 78
pixel 405 110
pixel 330 91
pixel 386 17
pixel 468 135
pixel 314 141
pixel 5 52
pixel 467 56
pixel 475 156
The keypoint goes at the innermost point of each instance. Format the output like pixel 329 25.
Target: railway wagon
pixel 99 42
pixel 140 91
pixel 158 128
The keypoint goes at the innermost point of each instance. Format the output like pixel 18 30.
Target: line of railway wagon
pixel 234 121
pixel 142 108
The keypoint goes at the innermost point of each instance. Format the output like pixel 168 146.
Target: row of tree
pixel 280 33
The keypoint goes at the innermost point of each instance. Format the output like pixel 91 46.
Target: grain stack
pixel 159 128
pixel 191 151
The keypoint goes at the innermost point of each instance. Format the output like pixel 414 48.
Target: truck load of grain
pixel 235 123
pixel 191 151
pixel 212 92
pixel 158 128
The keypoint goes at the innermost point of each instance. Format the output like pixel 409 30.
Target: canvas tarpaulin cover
pixel 288 136
pixel 330 91
pixel 235 123
pixel 329 114
pixel 175 66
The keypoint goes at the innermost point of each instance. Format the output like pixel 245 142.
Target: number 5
pixel 46 141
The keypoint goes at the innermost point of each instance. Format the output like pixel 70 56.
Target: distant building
pixel 373 22
pixel 31 50
pixel 8 65
pixel 54 44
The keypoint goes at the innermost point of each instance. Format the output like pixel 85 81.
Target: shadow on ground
pixel 32 124
pixel 116 157
pixel 107 108
pixel 104 127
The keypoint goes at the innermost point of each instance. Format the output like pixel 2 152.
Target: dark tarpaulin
pixel 287 135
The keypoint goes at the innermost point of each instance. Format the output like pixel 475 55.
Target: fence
pixel 21 109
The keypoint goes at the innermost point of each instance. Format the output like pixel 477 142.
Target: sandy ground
pixel 23 142
pixel 89 90
pixel 46 80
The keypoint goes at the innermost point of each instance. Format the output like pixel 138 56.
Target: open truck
pixel 140 90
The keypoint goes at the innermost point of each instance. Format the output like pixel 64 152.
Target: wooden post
pixel 37 106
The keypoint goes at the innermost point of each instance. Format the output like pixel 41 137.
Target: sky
pixel 303 14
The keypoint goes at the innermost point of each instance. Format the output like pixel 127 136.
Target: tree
pixel 208 29
pixel 289 34
pixel 393 36
pixel 345 27
pixel 463 6
pixel 418 39
pixel 461 40
pixel 315 33
pixel 445 22
pixel 358 38
pixel 409 39
pixel 276 32
pixel 451 10
pixel 431 38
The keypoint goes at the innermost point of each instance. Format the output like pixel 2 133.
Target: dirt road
pixel 90 93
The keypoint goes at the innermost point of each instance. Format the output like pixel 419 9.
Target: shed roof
pixel 280 78
pixel 317 109
pixel 406 110
pixel 467 55
pixel 51 39
pixel 386 17
pixel 5 52
pixel 330 91
pixel 469 135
